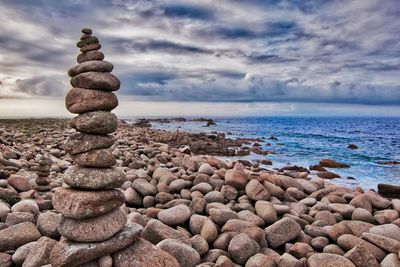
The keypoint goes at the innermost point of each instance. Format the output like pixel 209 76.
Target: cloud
pixel 210 51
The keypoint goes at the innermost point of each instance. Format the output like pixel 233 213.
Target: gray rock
pixel 70 254
pixel 92 65
pixel 95 122
pixel 96 80
pixel 79 100
pixel 81 142
pixel 94 178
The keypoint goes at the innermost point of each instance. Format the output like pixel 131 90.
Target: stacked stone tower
pixel 43 172
pixel 93 224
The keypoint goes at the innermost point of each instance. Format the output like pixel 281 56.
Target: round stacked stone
pixel 91 206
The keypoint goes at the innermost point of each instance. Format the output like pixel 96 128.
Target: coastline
pixel 221 211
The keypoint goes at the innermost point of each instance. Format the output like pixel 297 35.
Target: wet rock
pixel 329 163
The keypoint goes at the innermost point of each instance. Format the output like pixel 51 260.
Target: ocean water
pixel 304 141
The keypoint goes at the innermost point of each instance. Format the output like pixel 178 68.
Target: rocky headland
pixel 97 191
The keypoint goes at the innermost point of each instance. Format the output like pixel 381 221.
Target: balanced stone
pixel 79 100
pixel 81 142
pixel 90 47
pixel 86 30
pixel 96 80
pixel 93 229
pixel 95 122
pixel 71 254
pixel 85 36
pixel 90 55
pixel 79 204
pixel 91 65
pixel 94 178
pixel 87 41
pixel 99 158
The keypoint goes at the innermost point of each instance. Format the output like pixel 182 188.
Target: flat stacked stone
pixel 91 206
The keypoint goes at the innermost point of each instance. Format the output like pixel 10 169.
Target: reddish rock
pixel 79 204
pixel 70 254
pixel 79 100
pixel 40 255
pixel 184 254
pixel 20 183
pixel 94 229
pixel 98 158
pixel 236 178
pixel 17 235
pixel 143 254
pixel 328 260
pixel 329 163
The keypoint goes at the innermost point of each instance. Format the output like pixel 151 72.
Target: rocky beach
pixel 96 190
pixel 180 205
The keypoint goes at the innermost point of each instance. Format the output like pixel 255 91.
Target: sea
pixel 304 141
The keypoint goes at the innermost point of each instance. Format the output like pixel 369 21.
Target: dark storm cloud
pixel 221 51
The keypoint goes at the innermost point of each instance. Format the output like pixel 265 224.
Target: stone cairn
pixel 43 172
pixel 93 223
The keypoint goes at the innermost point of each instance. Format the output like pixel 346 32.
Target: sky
pixel 209 57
